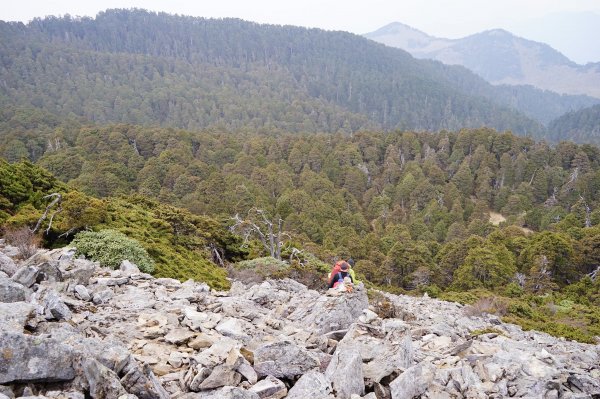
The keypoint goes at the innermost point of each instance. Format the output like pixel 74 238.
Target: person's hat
pixel 344 267
pixel 350 262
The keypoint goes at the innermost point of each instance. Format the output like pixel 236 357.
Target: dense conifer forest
pixel 146 68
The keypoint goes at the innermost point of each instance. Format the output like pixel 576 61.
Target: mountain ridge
pixel 486 53
pixel 341 80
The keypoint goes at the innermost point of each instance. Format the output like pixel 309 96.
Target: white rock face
pixel 83 331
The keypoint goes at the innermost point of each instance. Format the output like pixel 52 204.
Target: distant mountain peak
pixel 498 56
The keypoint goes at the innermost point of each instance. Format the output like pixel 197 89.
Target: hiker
pixel 339 272
pixel 350 262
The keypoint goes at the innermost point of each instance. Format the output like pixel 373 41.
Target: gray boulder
pixel 14 316
pixel 103 382
pixel 221 376
pixel 345 372
pixel 77 271
pixel 329 313
pixel 413 382
pixel 7 265
pixel 270 388
pixel 29 358
pixel 55 307
pixel 82 293
pixel 141 381
pixel 313 385
pixel 128 268
pixel 283 360
pixel 26 275
pixel 102 296
pixel 11 291
pixel 223 393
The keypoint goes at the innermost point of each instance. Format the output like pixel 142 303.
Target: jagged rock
pixel 12 291
pixel 283 360
pixel 128 268
pixel 134 298
pixel 77 271
pixel 14 316
pixel 381 357
pixel 313 385
pixel 7 392
pixel 28 358
pixel 200 341
pixel 82 293
pixel 26 275
pixel 584 384
pixel 224 393
pixel 102 296
pixel 270 388
pixel 217 353
pixel 179 336
pixel 413 382
pixel 7 265
pixel 232 328
pixel 141 382
pixel 221 376
pixel 103 382
pixel 248 372
pixel 330 313
pixel 195 376
pixel 345 372
pixel 55 307
pixel 112 281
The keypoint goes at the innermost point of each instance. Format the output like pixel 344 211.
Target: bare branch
pixel 57 200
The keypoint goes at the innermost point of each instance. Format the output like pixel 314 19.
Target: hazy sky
pixel 442 18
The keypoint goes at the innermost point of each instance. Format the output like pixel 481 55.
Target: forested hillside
pixel 412 208
pixel 582 126
pixel 146 68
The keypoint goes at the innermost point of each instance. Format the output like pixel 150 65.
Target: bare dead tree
pixel 56 204
pixel 588 212
pixel 258 225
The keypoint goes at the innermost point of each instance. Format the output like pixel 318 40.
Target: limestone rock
pixel 11 291
pixel 78 271
pixel 232 328
pixel 179 336
pixel 28 358
pixel 102 296
pixel 345 373
pixel 128 268
pixel 221 376
pixel 223 393
pixel 331 313
pixel 103 382
pixel 413 382
pixel 7 265
pixel 283 360
pixel 14 316
pixel 26 275
pixel 270 388
pixel 82 293
pixel 313 385
pixel 55 307
pixel 140 381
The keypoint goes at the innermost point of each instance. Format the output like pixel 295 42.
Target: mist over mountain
pixel 499 57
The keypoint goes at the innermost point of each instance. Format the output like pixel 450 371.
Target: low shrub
pixel 110 248
pixel 24 239
pixel 489 305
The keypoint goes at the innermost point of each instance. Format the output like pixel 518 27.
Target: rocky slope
pixel 71 329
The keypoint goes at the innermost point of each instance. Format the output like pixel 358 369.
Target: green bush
pixel 110 248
